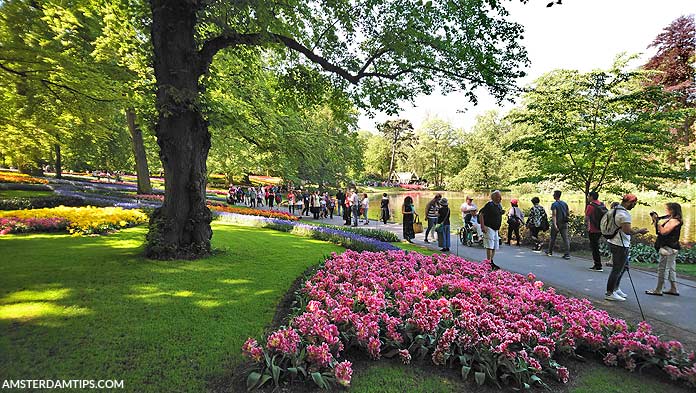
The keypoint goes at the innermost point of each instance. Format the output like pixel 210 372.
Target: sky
pixel 579 34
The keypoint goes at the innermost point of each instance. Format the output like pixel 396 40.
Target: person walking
pixel 443 219
pixel 559 224
pixel 291 202
pixel 667 245
pixel 594 211
pixel 341 199
pixel 355 206
pixel 619 245
pixel 490 218
pixel 346 207
pixel 409 214
pixel 432 210
pixel 365 206
pixel 537 222
pixel 384 207
pixel 515 218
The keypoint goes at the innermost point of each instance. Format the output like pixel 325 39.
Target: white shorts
pixel 491 239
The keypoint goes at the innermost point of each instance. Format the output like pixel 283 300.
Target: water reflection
pixel 641 214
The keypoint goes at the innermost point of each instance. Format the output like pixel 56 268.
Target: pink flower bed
pixel 20 225
pixel 495 326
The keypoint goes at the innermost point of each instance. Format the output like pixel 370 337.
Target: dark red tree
pixel 676 51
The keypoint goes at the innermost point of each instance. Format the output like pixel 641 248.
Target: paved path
pixel 573 275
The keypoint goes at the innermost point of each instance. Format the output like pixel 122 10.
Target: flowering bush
pixel 252 212
pixel 496 326
pixel 83 220
pixel 13 177
pixel 20 225
pixel 40 202
pixel 149 197
pixel 378 234
pixel 345 239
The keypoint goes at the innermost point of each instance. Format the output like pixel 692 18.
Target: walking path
pixel 573 275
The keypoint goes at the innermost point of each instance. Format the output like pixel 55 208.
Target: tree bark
pixel 181 227
pixel 59 162
pixel 141 168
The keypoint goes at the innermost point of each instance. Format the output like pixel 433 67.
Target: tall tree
pixel 597 130
pixel 379 52
pixel 433 151
pixel 399 135
pixel 674 63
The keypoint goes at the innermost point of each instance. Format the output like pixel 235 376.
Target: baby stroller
pixel 467 234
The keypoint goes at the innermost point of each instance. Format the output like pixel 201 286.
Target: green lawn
pixel 92 308
pixel 24 194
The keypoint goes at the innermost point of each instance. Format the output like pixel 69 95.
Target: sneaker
pixel 614 297
pixel 549 253
pixel 596 269
pixel 494 267
pixel 427 241
pixel 566 256
pixel 621 293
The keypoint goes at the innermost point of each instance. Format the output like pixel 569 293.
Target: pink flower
pixel 563 375
pixel 610 360
pixel 252 350
pixel 343 372
pixel 319 355
pixel 542 352
pixel 405 356
pixel 673 371
pixel 284 341
pixel 373 347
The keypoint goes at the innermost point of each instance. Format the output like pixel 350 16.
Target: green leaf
pixel 319 380
pixel 480 377
pixel 253 379
pixel 276 374
pixel 465 371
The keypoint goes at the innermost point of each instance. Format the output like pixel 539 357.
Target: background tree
pixel 399 136
pixel 376 156
pixel 674 63
pixel 597 130
pixel 485 151
pixel 433 154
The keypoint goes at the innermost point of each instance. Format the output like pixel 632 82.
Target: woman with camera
pixel 667 245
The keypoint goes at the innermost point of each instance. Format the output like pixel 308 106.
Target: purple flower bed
pixel 346 239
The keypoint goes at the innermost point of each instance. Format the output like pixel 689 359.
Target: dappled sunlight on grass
pixel 32 310
pixel 118 312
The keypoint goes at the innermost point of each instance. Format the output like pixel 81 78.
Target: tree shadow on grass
pixel 94 308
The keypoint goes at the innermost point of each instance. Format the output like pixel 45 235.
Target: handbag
pixel 417 225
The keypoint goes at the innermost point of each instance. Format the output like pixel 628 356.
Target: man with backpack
pixel 594 211
pixel 559 224
pixel 616 228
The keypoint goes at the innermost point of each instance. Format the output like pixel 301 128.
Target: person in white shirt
pixel 355 206
pixel 364 205
pixel 469 207
pixel 619 245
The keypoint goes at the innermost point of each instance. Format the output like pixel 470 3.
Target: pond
pixel 641 213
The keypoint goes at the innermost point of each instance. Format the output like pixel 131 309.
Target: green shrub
pixel 378 234
pixel 40 202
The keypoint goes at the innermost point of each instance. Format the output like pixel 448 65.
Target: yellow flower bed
pixel 14 177
pixel 85 220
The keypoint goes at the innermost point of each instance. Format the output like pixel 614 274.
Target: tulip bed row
pixel 13 177
pixel 495 326
pixel 219 207
pixel 77 220
pixel 352 241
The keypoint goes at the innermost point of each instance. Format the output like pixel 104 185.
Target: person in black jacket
pixel 668 247
pixel 443 219
pixel 490 218
pixel 384 206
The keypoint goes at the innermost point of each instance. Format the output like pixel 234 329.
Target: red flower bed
pixel 20 225
pixel 252 212
pixel 497 326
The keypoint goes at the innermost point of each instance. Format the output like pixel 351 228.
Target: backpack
pixel 608 225
pixel 598 213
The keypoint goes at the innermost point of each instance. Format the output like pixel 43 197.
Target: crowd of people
pixel 613 223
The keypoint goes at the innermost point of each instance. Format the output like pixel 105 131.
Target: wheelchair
pixel 468 235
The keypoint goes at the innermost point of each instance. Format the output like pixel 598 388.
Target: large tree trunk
pixel 181 227
pixel 141 169
pixel 59 161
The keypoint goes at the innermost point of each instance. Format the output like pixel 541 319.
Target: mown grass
pixel 24 194
pixel 93 308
